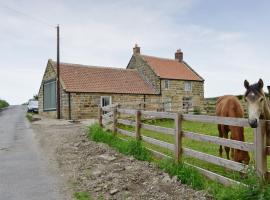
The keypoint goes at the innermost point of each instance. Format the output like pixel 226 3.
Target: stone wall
pixel 176 92
pixel 50 74
pixel 85 105
pixel 136 62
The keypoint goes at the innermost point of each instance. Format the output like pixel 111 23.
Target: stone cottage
pixel 148 81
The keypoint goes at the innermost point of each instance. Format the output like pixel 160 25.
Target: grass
pixel 130 147
pixel 82 196
pixel 29 116
pixel 197 127
pixel 3 103
pixel 254 189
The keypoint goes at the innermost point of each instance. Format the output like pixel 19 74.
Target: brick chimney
pixel 179 55
pixel 136 49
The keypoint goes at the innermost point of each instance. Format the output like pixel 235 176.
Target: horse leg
pixel 221 136
pixel 227 149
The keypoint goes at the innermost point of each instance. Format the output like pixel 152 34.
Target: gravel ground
pixel 84 165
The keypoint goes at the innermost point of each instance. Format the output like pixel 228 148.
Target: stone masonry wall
pixel 49 75
pixel 85 105
pixel 136 62
pixel 176 92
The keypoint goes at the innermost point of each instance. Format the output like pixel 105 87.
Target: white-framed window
pixel 166 84
pixel 49 95
pixel 105 101
pixel 167 103
pixel 187 103
pixel 188 86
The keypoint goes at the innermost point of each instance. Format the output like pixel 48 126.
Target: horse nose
pixel 253 123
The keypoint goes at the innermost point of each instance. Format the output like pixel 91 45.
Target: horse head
pixel 255 99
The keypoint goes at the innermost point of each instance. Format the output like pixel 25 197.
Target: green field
pixel 197 127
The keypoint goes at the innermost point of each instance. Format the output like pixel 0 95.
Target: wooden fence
pixel 259 147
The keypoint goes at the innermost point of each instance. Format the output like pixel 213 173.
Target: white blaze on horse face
pixel 254 111
pixel 255 107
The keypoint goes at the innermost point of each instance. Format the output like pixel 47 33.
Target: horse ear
pixel 260 83
pixel 246 84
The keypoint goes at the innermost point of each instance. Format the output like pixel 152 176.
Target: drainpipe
pixel 69 107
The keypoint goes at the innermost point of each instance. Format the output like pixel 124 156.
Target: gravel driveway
pixel 84 165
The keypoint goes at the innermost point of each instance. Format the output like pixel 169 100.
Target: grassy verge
pixel 82 196
pixel 254 189
pixel 129 147
pixel 197 127
pixel 3 103
pixel 29 116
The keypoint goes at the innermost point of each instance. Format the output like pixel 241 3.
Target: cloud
pixel 103 33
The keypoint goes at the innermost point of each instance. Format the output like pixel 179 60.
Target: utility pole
pixel 58 73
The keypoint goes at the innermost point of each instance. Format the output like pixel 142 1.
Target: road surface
pixel 23 171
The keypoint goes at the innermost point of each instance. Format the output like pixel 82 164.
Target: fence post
pixel 178 136
pixel 260 149
pixel 114 120
pixel 100 115
pixel 138 124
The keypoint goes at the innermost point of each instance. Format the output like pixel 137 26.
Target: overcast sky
pixel 224 41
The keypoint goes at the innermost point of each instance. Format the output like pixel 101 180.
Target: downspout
pixel 144 102
pixel 69 107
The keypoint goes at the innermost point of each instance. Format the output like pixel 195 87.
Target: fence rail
pixel 258 147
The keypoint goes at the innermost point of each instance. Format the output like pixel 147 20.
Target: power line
pixel 28 16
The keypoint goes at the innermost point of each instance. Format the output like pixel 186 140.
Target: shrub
pixel 3 103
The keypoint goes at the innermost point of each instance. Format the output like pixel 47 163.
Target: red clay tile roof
pixel 171 69
pixel 81 78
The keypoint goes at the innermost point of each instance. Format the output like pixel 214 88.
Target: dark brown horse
pixel 229 106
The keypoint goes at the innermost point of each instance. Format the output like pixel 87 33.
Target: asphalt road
pixel 23 171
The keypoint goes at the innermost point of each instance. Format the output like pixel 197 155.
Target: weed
pixel 29 116
pixel 82 196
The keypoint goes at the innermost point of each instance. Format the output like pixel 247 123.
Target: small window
pixel 49 96
pixel 187 103
pixel 166 84
pixel 188 86
pixel 105 101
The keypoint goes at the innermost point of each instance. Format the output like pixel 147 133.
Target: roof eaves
pixel 188 66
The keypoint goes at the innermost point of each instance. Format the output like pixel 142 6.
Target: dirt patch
pixel 106 174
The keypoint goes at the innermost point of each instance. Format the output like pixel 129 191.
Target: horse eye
pixel 261 99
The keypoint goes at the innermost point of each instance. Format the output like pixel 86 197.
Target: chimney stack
pixel 179 55
pixel 136 49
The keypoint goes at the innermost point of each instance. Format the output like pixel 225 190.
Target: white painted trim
pixel 104 97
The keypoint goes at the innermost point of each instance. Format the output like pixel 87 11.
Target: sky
pixel 226 42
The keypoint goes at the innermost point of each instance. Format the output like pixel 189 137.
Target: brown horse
pixel 229 106
pixel 258 106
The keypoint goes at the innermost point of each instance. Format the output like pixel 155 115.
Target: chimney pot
pixel 136 49
pixel 179 55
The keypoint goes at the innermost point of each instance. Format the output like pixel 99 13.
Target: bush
pixel 3 103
